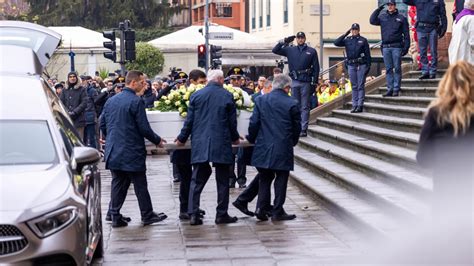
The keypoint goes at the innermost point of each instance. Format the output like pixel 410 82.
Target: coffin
pixel 168 126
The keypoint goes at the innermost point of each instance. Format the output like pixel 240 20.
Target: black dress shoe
pixel 359 109
pixel 183 216
pixel 242 207
pixel 195 220
pixel 261 215
pixel 424 76
pixel 154 218
pixel 304 133
pixel 176 180
pixel 388 94
pixel 108 218
pixel 432 76
pixel 283 217
pixel 232 184
pixel 202 212
pixel 354 108
pixel 226 219
pixel 119 223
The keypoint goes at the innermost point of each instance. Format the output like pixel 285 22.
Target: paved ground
pixel 314 238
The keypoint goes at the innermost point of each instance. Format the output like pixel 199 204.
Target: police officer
pixel 304 71
pixel 395 43
pixel 358 62
pixel 431 23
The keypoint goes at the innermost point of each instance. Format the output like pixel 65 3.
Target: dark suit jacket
pixel 274 128
pixel 212 125
pixel 125 125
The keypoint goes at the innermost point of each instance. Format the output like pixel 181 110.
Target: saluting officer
pixel 358 62
pixel 431 23
pixel 304 71
pixel 395 43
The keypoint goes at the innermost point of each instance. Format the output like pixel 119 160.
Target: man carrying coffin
pixel 212 125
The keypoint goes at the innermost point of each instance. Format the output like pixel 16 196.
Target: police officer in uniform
pixel 395 43
pixel 304 71
pixel 358 62
pixel 431 23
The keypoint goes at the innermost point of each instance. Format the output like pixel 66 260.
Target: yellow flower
pixel 168 102
pixel 236 96
pixel 187 103
pixel 239 103
pixel 184 114
pixel 186 96
pixel 164 98
pixel 177 104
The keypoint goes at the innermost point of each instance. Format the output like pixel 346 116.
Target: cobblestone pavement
pixel 313 238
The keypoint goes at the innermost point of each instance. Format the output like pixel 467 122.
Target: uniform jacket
pixel 300 58
pixel 212 125
pixel 75 100
pixel 394 28
pixel 125 125
pixel 274 129
pixel 356 47
pixel 430 11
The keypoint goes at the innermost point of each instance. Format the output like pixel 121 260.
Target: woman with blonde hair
pixel 446 146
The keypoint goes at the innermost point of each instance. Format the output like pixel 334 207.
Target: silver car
pixel 49 182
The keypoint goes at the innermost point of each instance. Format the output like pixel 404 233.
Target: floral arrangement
pixel 178 99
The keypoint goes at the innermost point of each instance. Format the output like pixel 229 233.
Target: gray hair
pixel 215 74
pixel 469 4
pixel 281 81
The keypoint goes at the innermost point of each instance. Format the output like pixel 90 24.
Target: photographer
pixel 304 69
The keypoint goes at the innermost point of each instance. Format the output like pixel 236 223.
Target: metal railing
pixel 324 72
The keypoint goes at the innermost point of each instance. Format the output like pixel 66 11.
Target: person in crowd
pixel 212 125
pixel 58 87
pixel 395 43
pixel 90 136
pixel 275 125
pixel 156 87
pixel 148 96
pixel 276 71
pixel 358 63
pixel 431 24
pixel 304 69
pixel 74 98
pixel 322 93
pixel 246 86
pixel 461 46
pixel 333 91
pixel 446 146
pixel 251 86
pixel 125 125
pixel 181 159
pixel 260 83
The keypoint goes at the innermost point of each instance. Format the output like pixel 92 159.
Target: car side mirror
pixel 83 156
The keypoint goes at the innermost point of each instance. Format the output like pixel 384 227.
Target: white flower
pixel 168 102
pixel 184 114
pixel 236 95
pixel 187 103
pixel 180 109
pixel 164 98
pixel 186 96
pixel 156 103
pixel 239 103
pixel 177 104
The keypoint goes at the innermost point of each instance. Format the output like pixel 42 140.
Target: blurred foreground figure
pixel 447 147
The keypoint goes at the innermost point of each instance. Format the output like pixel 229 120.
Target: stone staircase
pixel 362 167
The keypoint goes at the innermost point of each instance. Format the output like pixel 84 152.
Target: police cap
pixel 300 35
pixel 355 26
pixel 389 2
pixel 235 72
pixel 180 76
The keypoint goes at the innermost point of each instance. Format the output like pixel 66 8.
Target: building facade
pixel 229 13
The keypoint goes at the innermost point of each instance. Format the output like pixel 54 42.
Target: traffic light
pixel 216 54
pixel 129 36
pixel 112 55
pixel 202 55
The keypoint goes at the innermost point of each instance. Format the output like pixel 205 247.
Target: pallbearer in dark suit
pixel 212 125
pixel 274 128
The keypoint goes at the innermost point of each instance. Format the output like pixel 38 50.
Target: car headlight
pixel 53 222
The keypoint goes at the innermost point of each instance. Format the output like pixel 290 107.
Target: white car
pixel 49 182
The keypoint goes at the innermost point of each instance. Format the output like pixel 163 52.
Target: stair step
pixel 400 177
pixel 394 110
pixel 383 151
pixel 390 122
pixel 414 91
pixel 422 102
pixel 389 200
pixel 342 203
pixel 416 74
pixel 403 139
pixel 414 82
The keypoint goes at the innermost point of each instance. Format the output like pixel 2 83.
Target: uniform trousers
pixel 357 77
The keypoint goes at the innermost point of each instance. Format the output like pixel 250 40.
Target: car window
pixel 26 142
